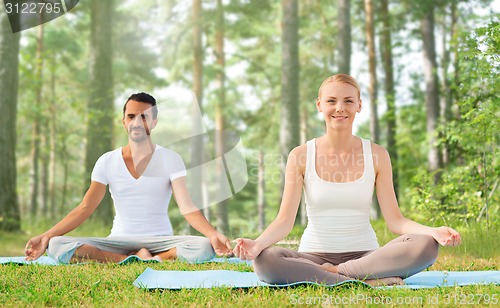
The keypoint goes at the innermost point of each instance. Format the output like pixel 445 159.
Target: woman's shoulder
pixel 380 155
pixel 378 149
pixel 299 150
pixel 298 155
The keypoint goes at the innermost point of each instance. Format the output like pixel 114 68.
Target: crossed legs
pixel 401 258
pixel 115 249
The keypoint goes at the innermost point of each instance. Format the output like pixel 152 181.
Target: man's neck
pixel 140 149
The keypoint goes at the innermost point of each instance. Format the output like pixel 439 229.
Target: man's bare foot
pixel 388 281
pixel 329 267
pixel 157 258
pixel 144 254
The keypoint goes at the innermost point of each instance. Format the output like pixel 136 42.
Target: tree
pixel 344 36
pixel 222 218
pixel 289 126
pixel 390 115
pixel 100 105
pixel 9 49
pixel 35 136
pixel 449 43
pixel 431 85
pixel 372 63
pixel 195 176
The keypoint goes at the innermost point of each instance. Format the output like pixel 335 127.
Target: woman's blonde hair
pixel 341 78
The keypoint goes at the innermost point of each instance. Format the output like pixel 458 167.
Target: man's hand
pixel 246 249
pixel 446 236
pixel 221 244
pixel 36 247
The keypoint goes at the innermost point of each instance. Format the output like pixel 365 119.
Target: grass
pixel 111 284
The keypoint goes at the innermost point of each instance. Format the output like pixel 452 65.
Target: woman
pixel 338 172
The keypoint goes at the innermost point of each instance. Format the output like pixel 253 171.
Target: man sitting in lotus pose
pixel 141 178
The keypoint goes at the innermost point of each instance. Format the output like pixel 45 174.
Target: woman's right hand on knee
pixel 247 249
pixel 36 247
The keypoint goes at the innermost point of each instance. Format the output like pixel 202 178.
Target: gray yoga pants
pixel 401 257
pixel 192 249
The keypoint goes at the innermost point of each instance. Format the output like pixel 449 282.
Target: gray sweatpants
pixel 401 257
pixel 192 249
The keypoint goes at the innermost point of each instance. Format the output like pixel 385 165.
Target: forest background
pixel 428 72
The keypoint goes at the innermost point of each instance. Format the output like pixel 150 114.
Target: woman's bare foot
pixel 329 267
pixel 388 281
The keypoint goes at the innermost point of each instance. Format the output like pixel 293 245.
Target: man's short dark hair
pixel 142 98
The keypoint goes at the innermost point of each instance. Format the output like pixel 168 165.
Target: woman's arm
pixel 283 223
pixel 37 245
pixel 386 196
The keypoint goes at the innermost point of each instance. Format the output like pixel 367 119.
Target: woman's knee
pixel 425 247
pixel 267 256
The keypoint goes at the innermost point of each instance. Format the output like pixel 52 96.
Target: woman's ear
pixel 318 105
pixel 360 106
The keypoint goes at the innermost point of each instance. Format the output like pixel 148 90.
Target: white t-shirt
pixel 141 205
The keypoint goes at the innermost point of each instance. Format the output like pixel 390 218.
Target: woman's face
pixel 339 103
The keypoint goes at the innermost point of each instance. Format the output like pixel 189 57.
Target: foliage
pixel 466 189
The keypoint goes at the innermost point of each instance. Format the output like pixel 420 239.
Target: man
pixel 141 178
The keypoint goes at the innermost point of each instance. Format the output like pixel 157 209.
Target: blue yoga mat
pixel 44 260
pixel 156 279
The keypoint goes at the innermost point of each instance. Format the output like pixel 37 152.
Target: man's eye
pixel 349 101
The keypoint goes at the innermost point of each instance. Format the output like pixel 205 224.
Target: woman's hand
pixel 36 247
pixel 446 236
pixel 246 249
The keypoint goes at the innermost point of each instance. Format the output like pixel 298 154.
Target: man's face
pixel 138 120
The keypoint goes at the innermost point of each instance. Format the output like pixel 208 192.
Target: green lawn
pixel 111 285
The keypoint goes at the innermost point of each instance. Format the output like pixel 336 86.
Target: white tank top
pixel 338 213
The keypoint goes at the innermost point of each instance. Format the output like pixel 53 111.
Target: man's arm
pixel 37 245
pixel 196 219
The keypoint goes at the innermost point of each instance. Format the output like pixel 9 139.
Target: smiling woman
pixel 338 173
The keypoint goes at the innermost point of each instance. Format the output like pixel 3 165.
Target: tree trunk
pixel 303 140
pixel 53 137
pixel 372 64
pixel 195 174
pixel 372 89
pixel 456 75
pixel 35 136
pixel 222 217
pixel 432 90
pixel 289 125
pixel 386 48
pixel 100 106
pixel 445 104
pixel 344 36
pixel 261 190
pixel 10 219
pixel 44 175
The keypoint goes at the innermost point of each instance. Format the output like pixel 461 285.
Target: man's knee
pixel 197 249
pixel 61 248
